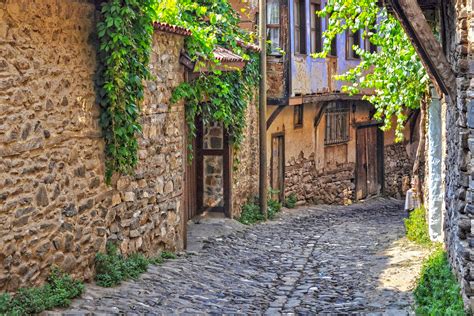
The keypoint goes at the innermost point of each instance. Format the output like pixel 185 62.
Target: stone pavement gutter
pixel 311 260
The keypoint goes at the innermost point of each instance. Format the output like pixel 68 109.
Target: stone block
pixel 129 197
pixel 470 114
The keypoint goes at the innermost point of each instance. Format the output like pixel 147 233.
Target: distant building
pixel 324 145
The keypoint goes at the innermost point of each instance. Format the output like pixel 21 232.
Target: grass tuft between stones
pixel 437 291
pixel 112 268
pixel 417 227
pixel 58 291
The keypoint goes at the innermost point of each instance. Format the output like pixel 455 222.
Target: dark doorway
pixel 369 167
pixel 277 175
pixel 212 159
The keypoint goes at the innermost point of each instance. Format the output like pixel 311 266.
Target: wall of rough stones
pixel 246 165
pixel 459 217
pixel 319 186
pixel 54 205
pixel 398 167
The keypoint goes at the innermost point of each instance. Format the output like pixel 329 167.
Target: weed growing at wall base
pixel 57 292
pixel 112 268
pixel 437 291
pixel 291 200
pixel 417 227
pixel 251 211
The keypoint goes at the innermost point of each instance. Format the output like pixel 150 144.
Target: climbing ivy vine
pixel 215 95
pixel 125 37
pixel 394 71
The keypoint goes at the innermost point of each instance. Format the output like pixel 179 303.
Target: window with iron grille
pixel 337 124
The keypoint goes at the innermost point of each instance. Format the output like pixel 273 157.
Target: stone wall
pixel 54 205
pixel 397 170
pixel 245 176
pixel 459 216
pixel 326 186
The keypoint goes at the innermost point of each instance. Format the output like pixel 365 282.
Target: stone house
pixel 324 145
pixel 442 33
pixel 55 208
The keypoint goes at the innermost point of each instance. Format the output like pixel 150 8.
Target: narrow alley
pixel 321 259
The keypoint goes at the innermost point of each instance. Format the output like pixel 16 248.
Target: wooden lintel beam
pixel 410 15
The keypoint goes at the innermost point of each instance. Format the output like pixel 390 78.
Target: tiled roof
pixel 223 54
pixel 253 47
pixel 165 27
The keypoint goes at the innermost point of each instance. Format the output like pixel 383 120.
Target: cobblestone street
pixel 312 260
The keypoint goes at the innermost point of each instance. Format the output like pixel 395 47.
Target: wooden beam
pixel 326 97
pixel 274 115
pixel 319 116
pixel 410 15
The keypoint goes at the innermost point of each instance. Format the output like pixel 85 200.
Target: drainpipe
pixel 262 117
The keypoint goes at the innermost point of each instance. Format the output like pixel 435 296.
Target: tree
pixel 394 71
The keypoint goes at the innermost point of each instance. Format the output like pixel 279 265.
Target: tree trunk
pixel 420 152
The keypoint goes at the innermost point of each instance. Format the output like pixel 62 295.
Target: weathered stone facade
pixel 398 167
pixel 325 186
pixel 246 171
pixel 459 217
pixel 54 205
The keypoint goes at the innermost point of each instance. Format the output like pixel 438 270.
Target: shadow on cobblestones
pixel 313 260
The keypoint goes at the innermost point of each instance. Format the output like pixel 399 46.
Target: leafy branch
pixel 125 37
pixel 393 72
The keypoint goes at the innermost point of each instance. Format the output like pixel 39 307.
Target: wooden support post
pixel 263 108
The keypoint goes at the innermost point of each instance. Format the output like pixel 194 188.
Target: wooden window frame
pixel 299 31
pixel 371 48
pixel 316 31
pixel 298 115
pixel 350 52
pixel 337 129
pixel 275 26
pixel 333 51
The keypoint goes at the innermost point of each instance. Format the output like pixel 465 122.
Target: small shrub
pixel 274 206
pixel 291 200
pixel 112 268
pixel 167 255
pixel 250 213
pixel 417 227
pixel 58 291
pixel 437 291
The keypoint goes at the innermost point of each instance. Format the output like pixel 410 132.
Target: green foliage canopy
pixel 215 95
pixel 394 72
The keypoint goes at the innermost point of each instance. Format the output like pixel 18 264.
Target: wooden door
pixel 369 167
pixel 277 175
pixel 191 209
pixel 212 168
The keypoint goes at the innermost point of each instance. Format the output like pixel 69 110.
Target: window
pixel 300 29
pixel 298 115
pixel 352 38
pixel 333 51
pixel 273 25
pixel 337 124
pixel 369 46
pixel 316 30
